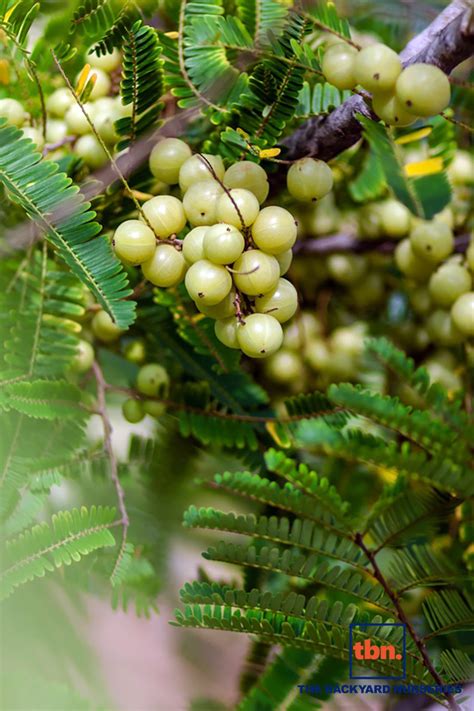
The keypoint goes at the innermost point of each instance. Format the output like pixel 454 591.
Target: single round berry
pixel 274 231
pixel 59 102
pixel 105 126
pixel 102 83
pixel 339 65
pixel 448 283
pixel 104 328
pixel 153 380
pixel 421 301
pixel 35 135
pixel 346 268
pixel 410 263
pixel 348 339
pixel 193 248
pixel 133 411
pixel 83 358
pixel 89 149
pixel 395 218
pixel 442 329
pixel 107 62
pixel 166 268
pixel 462 313
pixel 135 351
pixel 55 131
pixel 224 309
pixel 207 283
pixel 461 170
pixel 284 367
pixel 377 67
pixel 154 408
pixel 423 89
pixel 77 124
pixel 260 336
pixel 388 108
pixel 284 260
pixel 200 202
pixel 223 244
pixel 165 214
pixel 309 180
pixel 134 242
pixel 13 112
pixel 166 159
pixel 226 331
pixel 195 169
pixel 249 176
pixel 256 272
pixel 239 207
pixel 281 303
pixel 433 241
pixel 317 354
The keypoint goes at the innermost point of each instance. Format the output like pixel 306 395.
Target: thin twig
pixel 102 411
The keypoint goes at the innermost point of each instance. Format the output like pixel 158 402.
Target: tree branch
pixel 446 42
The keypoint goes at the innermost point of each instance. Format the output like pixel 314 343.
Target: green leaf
pixel 50 199
pixel 45 399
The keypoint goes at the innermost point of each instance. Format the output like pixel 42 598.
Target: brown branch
pixel 351 243
pixel 404 619
pixel 447 42
pixel 102 412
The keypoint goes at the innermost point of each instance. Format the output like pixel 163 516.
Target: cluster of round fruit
pixel 152 382
pixel 447 300
pixel 66 118
pixel 400 96
pixel 234 256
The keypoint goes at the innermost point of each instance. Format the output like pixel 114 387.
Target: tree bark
pixel 446 42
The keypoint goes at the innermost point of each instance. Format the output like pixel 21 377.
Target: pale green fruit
pixel 134 242
pixel 102 83
pixel 370 221
pixel 166 268
pixel 461 170
pixel 153 380
pixel 317 354
pixel 256 272
pixel 470 255
pixel 200 202
pixel 377 67
pixel 395 218
pixel 106 62
pixel 349 340
pixel 388 108
pixel 105 127
pixel 224 309
pixel 284 367
pixel 195 170
pixel 369 291
pixel 154 408
pixel 165 214
pixel 166 159
pixel 439 373
pixel 346 268
pixel 462 313
pixel 226 331
pixel 448 283
pixel 249 176
pixel 410 264
pixel 89 149
pixel 281 303
pixel 339 65
pixel 442 328
pixel 260 336
pixel 239 207
pixel 133 411
pixel 420 300
pixel 193 248
pixel 35 135
pixel 104 328
pixel 207 283
pixel 84 357
pixel 13 112
pixel 274 231
pixel 323 217
pixel 135 351
pixel 284 260
pixel 59 102
pixel 223 244
pixel 341 366
pixel 423 89
pixel 309 179
pixel 55 131
pixel 445 216
pixel 76 122
pixel 106 106
pixel 432 241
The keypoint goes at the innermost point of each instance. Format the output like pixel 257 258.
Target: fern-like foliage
pixel 93 17
pixel 70 536
pixel 261 17
pixel 58 210
pixel 142 83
